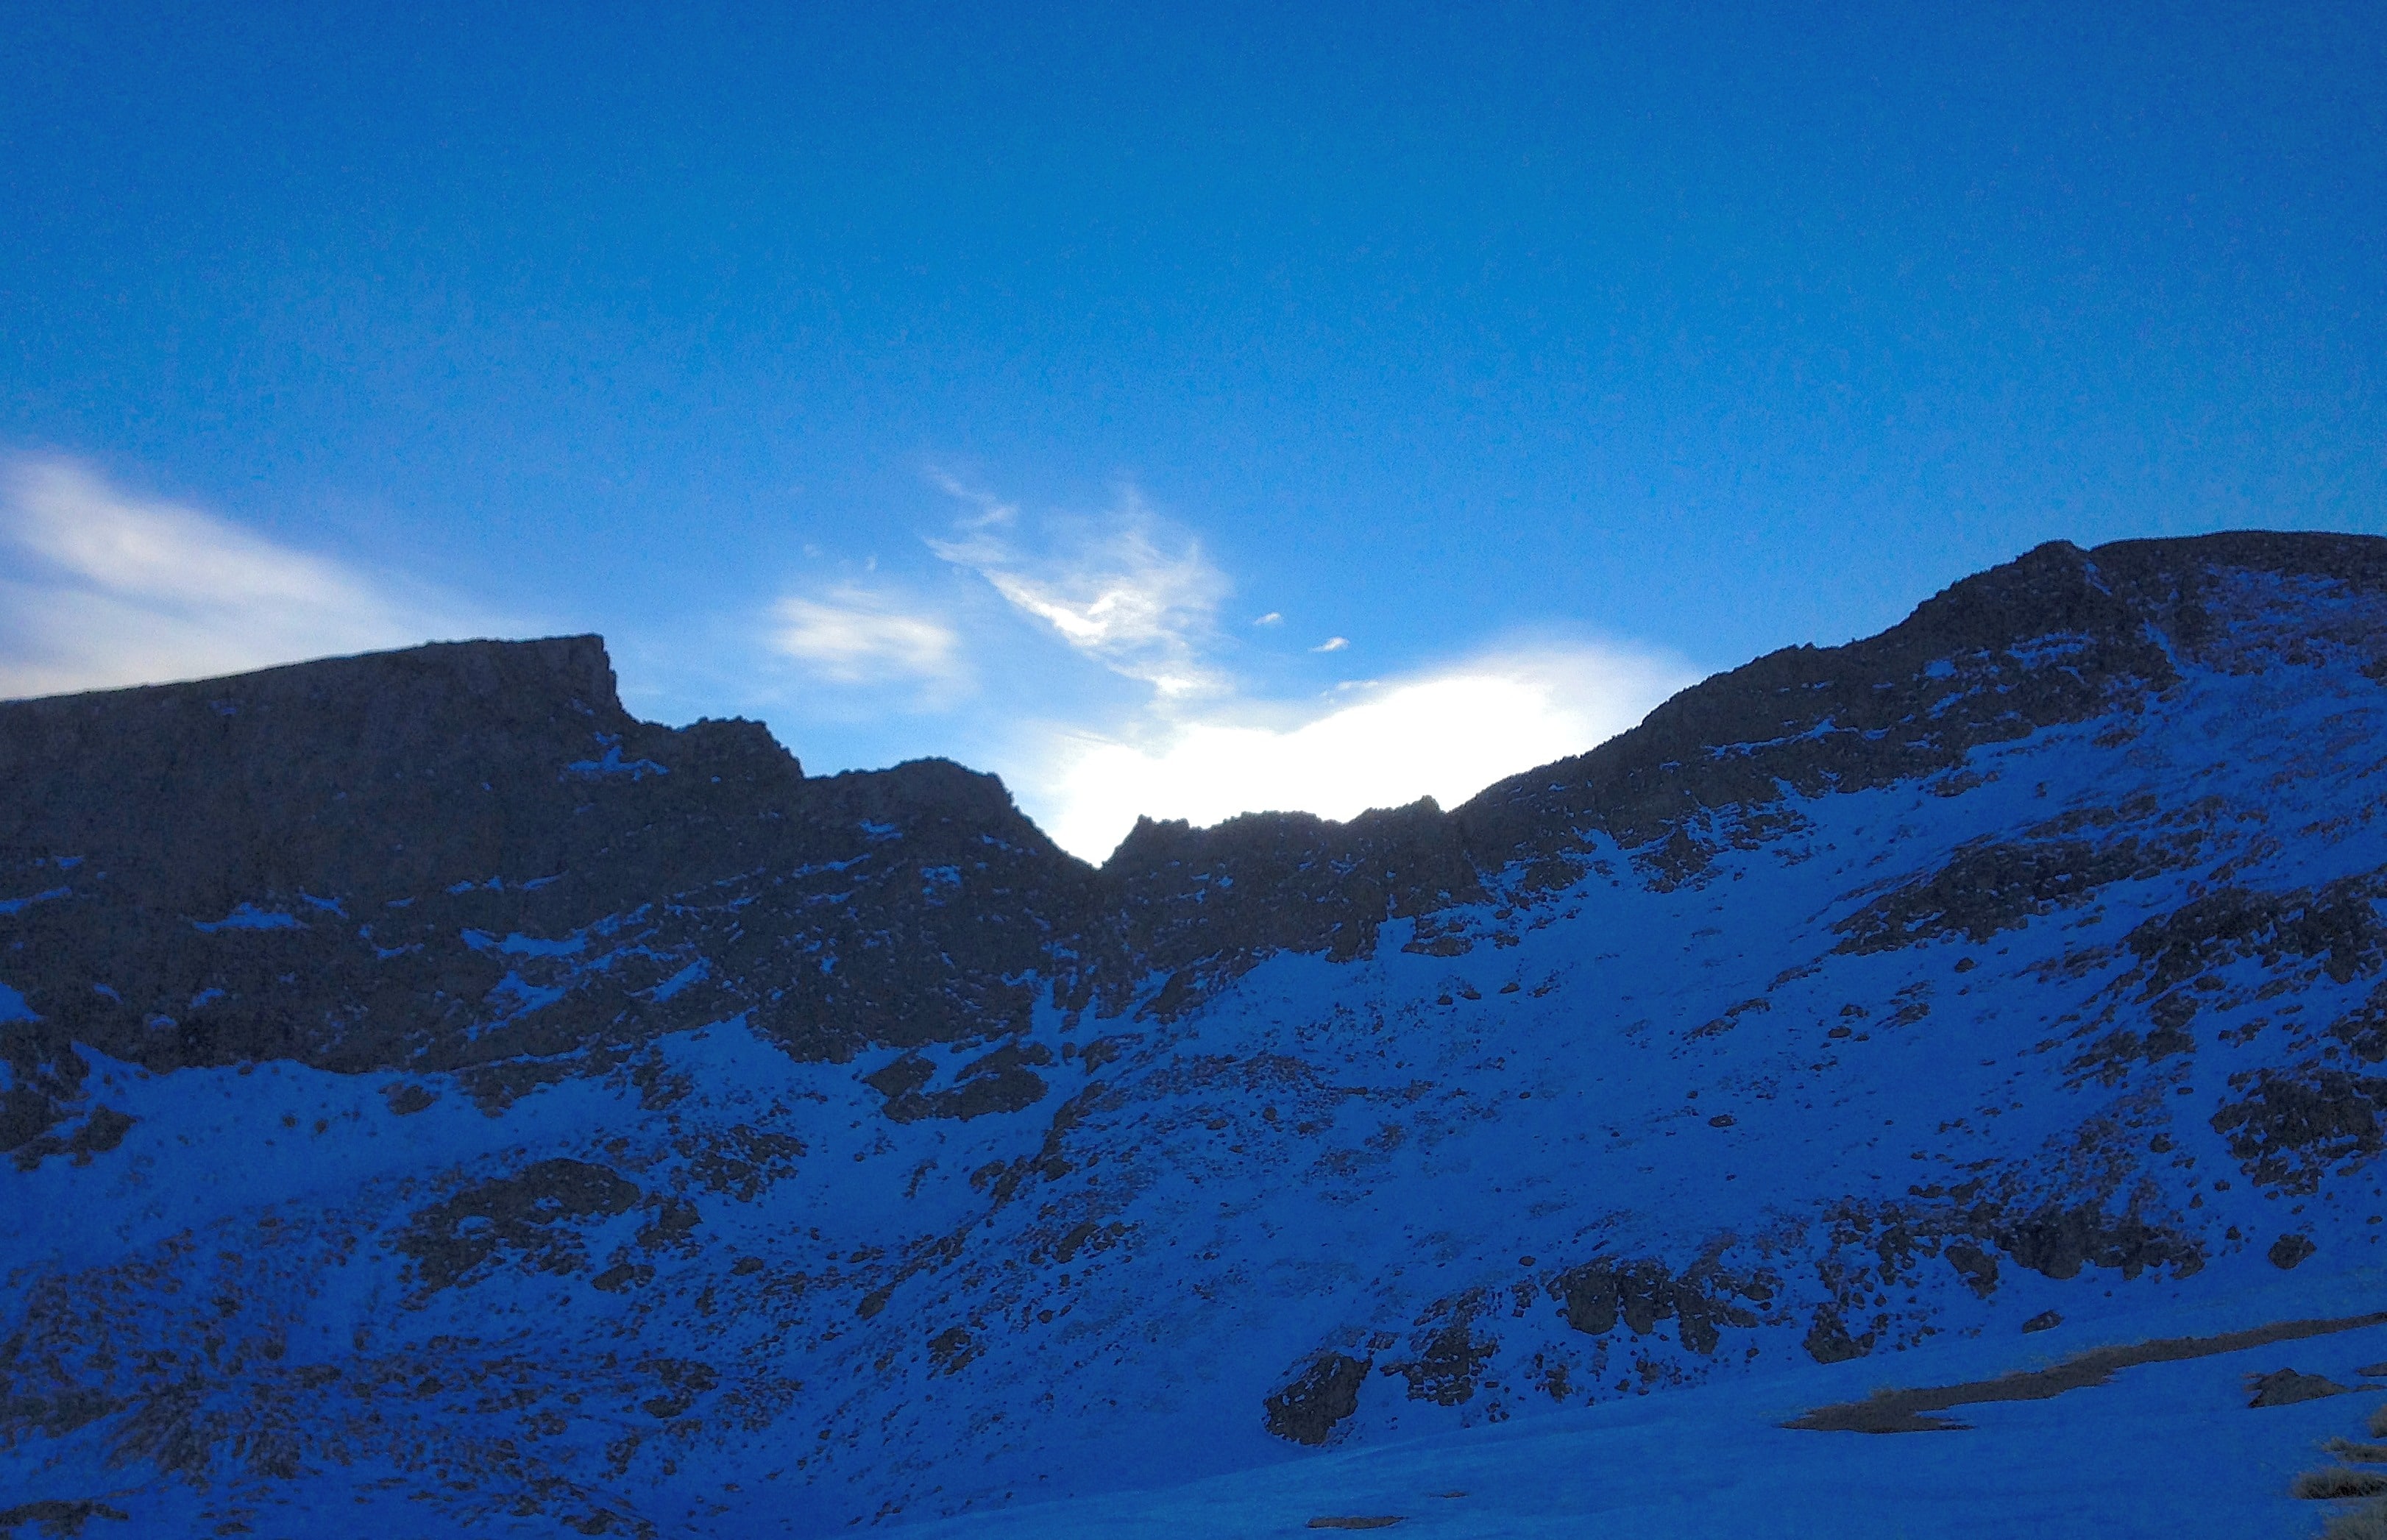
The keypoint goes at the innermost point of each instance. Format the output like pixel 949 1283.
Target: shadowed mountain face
pixel 426 1084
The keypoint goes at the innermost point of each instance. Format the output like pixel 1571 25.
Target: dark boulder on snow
pixel 2285 1387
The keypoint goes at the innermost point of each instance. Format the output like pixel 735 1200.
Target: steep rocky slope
pixel 436 1097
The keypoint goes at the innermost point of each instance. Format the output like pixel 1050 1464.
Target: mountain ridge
pixel 851 1104
pixel 1350 878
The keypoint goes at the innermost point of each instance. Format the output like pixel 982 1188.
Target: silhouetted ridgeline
pixel 295 863
pixel 434 1096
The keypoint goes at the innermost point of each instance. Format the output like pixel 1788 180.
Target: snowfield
pixel 1541 1212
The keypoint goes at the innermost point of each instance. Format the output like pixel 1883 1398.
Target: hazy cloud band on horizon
pixel 107 590
pixel 1134 594
pixel 1446 733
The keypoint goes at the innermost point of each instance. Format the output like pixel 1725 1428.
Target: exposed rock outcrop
pixel 435 1097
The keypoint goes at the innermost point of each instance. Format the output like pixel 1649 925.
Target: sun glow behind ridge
pixel 1445 733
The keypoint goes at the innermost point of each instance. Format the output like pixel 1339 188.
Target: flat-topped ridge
pixel 296 861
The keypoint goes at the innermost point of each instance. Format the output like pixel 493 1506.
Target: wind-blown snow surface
pixel 1564 1201
pixel 2165 1449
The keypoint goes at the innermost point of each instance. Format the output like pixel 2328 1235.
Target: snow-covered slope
pixel 446 1108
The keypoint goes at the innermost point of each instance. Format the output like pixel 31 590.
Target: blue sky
pixel 976 379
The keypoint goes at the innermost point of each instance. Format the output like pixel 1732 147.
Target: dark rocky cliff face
pixel 294 864
pixel 2059 636
pixel 994 1085
pixel 322 864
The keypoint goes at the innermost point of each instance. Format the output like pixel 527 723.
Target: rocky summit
pixel 437 1102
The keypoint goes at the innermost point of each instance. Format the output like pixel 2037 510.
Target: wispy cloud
pixel 1446 733
pixel 105 588
pixel 1128 590
pixel 850 635
pixel 1131 593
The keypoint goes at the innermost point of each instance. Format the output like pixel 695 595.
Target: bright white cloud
pixel 852 636
pixel 1130 592
pixel 106 590
pixel 1137 596
pixel 1447 733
